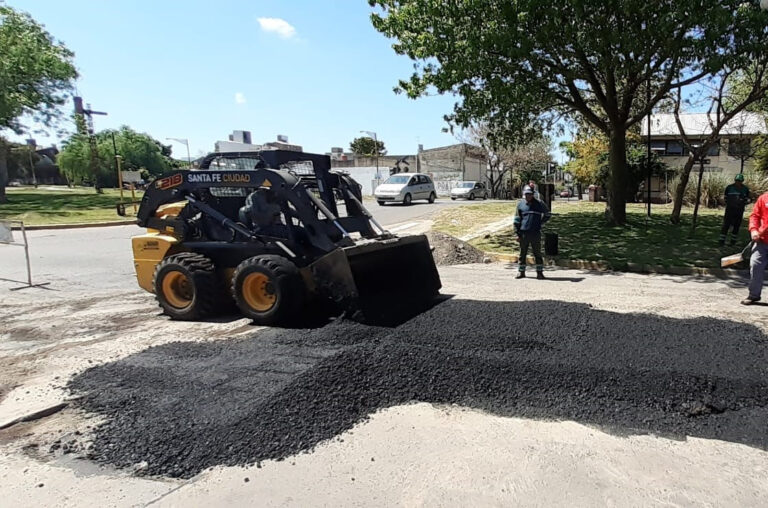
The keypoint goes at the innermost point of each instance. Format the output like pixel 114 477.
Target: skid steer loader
pixel 264 229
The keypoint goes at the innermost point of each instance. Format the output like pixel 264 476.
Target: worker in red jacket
pixel 758 230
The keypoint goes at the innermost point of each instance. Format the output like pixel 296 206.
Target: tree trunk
pixel 3 172
pixel 680 191
pixel 698 198
pixel 617 184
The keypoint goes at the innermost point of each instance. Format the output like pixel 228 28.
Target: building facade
pixel 733 154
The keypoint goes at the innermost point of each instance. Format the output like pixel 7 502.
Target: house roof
pixel 698 124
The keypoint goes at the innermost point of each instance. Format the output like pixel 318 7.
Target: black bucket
pixel 550 244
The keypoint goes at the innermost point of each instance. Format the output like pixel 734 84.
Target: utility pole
pixel 86 128
pixel 648 156
pixel 376 148
pixel 183 141
pixel 32 145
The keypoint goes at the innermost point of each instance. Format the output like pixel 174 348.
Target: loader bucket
pixel 383 282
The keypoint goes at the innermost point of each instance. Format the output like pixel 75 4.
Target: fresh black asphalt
pixel 180 408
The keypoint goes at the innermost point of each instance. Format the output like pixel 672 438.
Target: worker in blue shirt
pixel 736 199
pixel 530 216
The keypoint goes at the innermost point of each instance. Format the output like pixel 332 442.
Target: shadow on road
pixel 183 407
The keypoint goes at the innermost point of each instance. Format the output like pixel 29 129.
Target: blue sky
pixel 315 71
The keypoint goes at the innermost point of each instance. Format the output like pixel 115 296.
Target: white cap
pixel 527 190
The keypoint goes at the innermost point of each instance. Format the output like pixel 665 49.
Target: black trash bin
pixel 550 244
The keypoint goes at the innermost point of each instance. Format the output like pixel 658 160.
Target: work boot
pixel 520 275
pixel 540 275
pixel 750 300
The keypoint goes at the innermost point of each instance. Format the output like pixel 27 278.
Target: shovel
pixel 735 259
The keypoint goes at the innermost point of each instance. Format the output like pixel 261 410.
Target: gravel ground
pixel 180 408
pixel 449 250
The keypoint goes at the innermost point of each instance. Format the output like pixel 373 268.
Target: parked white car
pixel 405 188
pixel 469 190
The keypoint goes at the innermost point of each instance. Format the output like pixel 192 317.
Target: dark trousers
pixel 732 220
pixel 534 241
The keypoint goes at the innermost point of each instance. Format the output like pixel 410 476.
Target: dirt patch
pixel 180 408
pixel 449 250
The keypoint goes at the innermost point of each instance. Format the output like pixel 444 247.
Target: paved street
pixel 97 259
pixel 638 337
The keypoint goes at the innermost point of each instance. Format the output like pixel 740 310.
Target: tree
pixel 138 151
pixel 590 162
pixel 508 160
pixel 36 72
pixel 587 156
pixel 367 147
pixel 728 94
pixel 608 62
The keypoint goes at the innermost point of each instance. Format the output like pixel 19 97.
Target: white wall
pixel 366 176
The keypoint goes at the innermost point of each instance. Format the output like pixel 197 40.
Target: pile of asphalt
pixel 449 250
pixel 180 408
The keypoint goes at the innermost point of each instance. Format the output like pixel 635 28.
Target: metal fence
pixel 7 238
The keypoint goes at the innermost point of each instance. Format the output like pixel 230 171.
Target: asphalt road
pixel 99 259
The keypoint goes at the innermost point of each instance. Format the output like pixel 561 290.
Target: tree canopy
pixel 523 63
pixel 367 147
pixel 36 73
pixel 138 151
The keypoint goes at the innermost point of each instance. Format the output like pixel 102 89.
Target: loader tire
pixel 269 290
pixel 187 287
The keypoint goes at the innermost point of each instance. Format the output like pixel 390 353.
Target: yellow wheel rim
pixel 259 292
pixel 177 289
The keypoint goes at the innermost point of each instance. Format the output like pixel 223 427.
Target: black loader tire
pixel 432 197
pixel 187 277
pixel 269 290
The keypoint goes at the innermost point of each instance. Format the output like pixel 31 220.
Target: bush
pixel 712 189
pixel 756 182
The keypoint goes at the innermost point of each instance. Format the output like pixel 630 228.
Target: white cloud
pixel 240 98
pixel 278 26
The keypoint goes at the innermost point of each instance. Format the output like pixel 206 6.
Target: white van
pixel 405 188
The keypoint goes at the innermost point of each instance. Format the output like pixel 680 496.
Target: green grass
pixel 49 205
pixel 584 234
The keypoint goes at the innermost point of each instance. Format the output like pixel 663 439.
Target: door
pixel 413 187
pixel 424 186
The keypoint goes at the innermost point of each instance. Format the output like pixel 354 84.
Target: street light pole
pixel 185 142
pixel 375 147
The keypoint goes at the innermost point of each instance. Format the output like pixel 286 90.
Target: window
pixel 714 149
pixel 414 180
pixel 674 148
pixel 739 147
pixel 423 179
pixel 397 179
pixel 659 146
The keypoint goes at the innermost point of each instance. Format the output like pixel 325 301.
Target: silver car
pixel 469 190
pixel 405 188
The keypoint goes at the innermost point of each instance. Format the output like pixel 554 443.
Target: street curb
pixel 76 226
pixel 602 266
